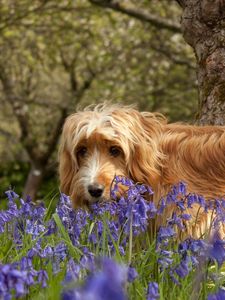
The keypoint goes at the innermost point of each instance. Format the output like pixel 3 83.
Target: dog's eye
pixel 114 151
pixel 82 151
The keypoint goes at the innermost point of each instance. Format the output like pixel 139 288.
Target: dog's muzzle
pixel 96 190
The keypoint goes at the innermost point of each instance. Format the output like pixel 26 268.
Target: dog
pixel 107 140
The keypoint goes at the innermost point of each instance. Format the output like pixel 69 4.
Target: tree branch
pixel 152 19
pixel 182 3
pixel 55 136
pixel 13 19
pixel 20 113
pixel 70 69
pixel 6 133
pixel 174 57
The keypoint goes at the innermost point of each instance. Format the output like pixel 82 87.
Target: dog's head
pixel 98 144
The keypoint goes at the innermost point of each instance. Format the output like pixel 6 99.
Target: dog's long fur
pixel 151 151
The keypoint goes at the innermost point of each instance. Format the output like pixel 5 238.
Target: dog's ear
pixel 146 157
pixel 67 163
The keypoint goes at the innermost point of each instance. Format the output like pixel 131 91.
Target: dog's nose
pixel 96 190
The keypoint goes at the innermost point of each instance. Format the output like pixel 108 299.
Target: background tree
pixel 203 28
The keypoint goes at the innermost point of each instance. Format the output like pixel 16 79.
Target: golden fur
pixel 151 151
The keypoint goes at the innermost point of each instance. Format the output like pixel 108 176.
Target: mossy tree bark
pixel 203 27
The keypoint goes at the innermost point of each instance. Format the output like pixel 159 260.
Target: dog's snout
pixel 96 190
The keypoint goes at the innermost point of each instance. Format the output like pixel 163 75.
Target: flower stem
pixel 130 239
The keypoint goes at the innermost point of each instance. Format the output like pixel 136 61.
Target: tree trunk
pixel 34 180
pixel 203 26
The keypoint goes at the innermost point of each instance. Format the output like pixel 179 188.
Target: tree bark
pixel 34 180
pixel 203 26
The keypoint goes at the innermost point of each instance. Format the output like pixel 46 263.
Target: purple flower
pixel 42 278
pixel 34 228
pixel 25 263
pixel 12 279
pixel 217 251
pixel 92 238
pixel 182 188
pixel 165 259
pixel 191 199
pixel 162 206
pixel 152 210
pixel 181 205
pixel 198 247
pixel 132 274
pixel 186 217
pixel 11 195
pixel 73 270
pixel 183 269
pixel 153 291
pixel 142 208
pixel 107 283
pixel 47 252
pixel 60 251
pixel 176 220
pixel 165 233
pixel 87 260
pixel 220 295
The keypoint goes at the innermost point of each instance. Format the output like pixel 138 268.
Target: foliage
pixel 108 252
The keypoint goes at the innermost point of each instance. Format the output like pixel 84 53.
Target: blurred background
pixel 58 54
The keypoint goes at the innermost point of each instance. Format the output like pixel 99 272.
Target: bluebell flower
pixel 220 295
pixel 47 252
pixel 12 279
pixel 191 200
pixel 31 277
pixel 142 208
pixel 201 201
pixel 99 227
pixel 185 217
pixel 34 228
pixel 182 188
pixel 60 251
pixel 26 263
pixel 153 291
pixel 11 195
pixel 165 259
pixel 87 260
pixel 181 205
pixel 92 238
pixel 107 283
pixel 217 250
pixel 173 277
pixel 183 269
pixel 121 250
pixel 42 278
pixel 132 274
pixel 162 206
pixel 152 210
pixel 198 247
pixel 176 220
pixel 165 233
pixel 73 270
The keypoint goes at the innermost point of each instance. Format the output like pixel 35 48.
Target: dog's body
pixel 99 143
pixel 195 155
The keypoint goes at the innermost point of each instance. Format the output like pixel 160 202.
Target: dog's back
pixel 195 155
